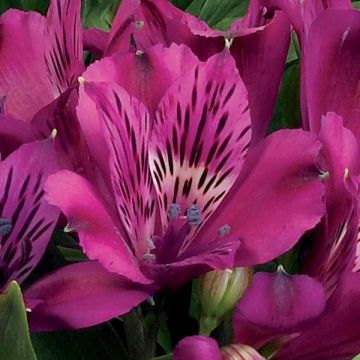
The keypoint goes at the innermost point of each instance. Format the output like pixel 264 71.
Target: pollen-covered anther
pixel 139 24
pixel 5 226
pixel 229 42
pixel 28 310
pixel 81 80
pixel 53 134
pixel 193 215
pixel 224 230
pixel 150 244
pixel 68 228
pixel 139 52
pixel 173 211
pixel 324 175
pixel 149 258
pixel 346 173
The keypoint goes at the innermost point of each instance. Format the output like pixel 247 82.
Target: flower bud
pixel 219 292
pixel 240 352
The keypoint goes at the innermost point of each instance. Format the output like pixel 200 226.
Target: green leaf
pixel 36 5
pixel 217 13
pixel 99 13
pixel 101 342
pixel 356 357
pixel 356 5
pixel 15 341
pixel 195 306
pixel 287 111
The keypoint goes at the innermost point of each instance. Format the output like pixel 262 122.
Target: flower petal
pixel 63 48
pixel 277 303
pixel 86 214
pixel 331 72
pixel 136 74
pixel 201 137
pixel 79 295
pixel 24 84
pixel 335 335
pixel 32 219
pixel 197 348
pixel 13 133
pixel 127 129
pixel 277 197
pixel 255 54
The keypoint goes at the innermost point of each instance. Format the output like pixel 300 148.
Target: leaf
pixel 15 341
pixel 100 342
pixel 217 13
pixel 36 5
pixel 99 13
pixel 195 306
pixel 287 111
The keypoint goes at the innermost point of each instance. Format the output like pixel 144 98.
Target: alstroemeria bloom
pixel 26 219
pixel 190 196
pixel 259 42
pixel 39 94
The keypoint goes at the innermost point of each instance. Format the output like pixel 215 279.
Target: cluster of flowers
pixel 157 155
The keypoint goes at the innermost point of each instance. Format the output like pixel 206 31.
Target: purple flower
pixel 140 25
pixel 187 195
pixel 26 219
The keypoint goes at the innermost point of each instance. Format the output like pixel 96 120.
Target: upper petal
pixel 79 295
pixel 127 127
pixel 277 197
pixel 201 136
pixel 22 178
pixel 86 214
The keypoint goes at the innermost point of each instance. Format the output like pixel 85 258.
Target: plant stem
pixel 163 357
pixel 135 334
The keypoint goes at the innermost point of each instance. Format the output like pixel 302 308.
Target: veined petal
pixel 63 48
pixel 201 136
pixel 24 84
pixel 278 302
pixel 331 71
pixel 86 214
pixel 13 134
pixel 197 348
pixel 23 205
pixel 127 129
pixel 334 248
pixel 277 197
pixel 136 74
pixel 79 295
pixel 69 141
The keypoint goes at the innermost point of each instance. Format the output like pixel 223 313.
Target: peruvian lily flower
pixel 258 42
pixel 40 94
pixel 26 219
pixel 190 196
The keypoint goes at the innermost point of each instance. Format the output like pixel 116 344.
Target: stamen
pixel 193 215
pixel 173 211
pixel 228 42
pixel 5 226
pixel 346 173
pixel 149 258
pixel 81 80
pixel 53 133
pixel 150 244
pixel 139 24
pixel 139 52
pixel 68 228
pixel 224 230
pixel 324 175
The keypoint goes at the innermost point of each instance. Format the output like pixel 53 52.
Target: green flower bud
pixel 219 291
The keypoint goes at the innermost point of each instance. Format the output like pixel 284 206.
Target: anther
pixel 173 211
pixel 150 244
pixel 224 230
pixel 228 42
pixel 193 215
pixel 149 258
pixel 139 52
pixel 5 226
pixel 324 175
pixel 81 80
pixel 139 24
pixel 346 173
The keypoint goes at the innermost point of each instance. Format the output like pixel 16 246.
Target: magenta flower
pixel 259 42
pixel 26 219
pixel 183 185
